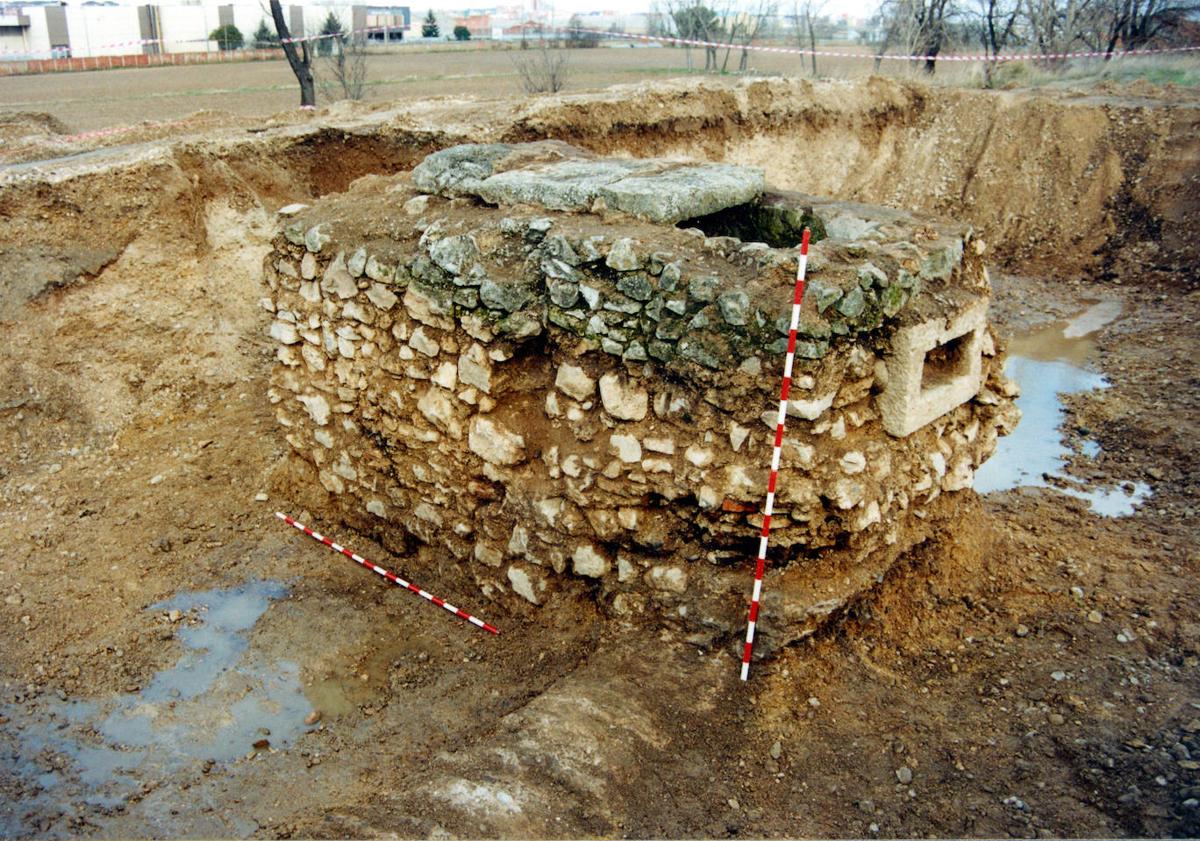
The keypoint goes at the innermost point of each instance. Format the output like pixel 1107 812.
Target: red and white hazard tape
pixel 800 51
pixel 776 453
pixel 390 576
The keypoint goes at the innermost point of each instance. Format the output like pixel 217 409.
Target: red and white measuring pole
pixel 390 576
pixel 760 566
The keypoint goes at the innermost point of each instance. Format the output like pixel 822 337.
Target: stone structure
pixel 515 354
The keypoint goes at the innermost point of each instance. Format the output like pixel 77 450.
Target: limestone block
pixel 493 443
pixel 446 375
pixel 810 409
pixel 437 407
pixel 853 462
pixel 623 399
pixel 381 296
pixel 574 382
pixel 626 447
pixel 337 280
pixel 317 408
pixel 421 342
pixel 475 369
pixel 527 583
pixel 933 367
pixel 283 332
pixel 588 562
pixel 672 579
pixel 488 555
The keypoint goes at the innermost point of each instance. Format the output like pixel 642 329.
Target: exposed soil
pixel 1031 673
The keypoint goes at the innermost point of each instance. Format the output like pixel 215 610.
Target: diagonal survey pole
pixel 390 576
pixel 760 566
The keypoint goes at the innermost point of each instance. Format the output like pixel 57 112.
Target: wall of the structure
pixel 580 402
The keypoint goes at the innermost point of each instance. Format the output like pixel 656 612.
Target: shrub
pixel 429 26
pixel 332 27
pixel 461 33
pixel 228 37
pixel 265 36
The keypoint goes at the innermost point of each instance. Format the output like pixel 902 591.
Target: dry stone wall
pixel 584 398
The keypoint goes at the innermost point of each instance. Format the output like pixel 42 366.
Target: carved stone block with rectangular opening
pixel 934 367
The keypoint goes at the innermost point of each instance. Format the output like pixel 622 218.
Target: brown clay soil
pixel 1035 672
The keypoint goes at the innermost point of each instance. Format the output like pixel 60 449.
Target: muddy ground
pixel 166 644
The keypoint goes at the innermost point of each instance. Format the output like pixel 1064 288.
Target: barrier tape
pixel 776 453
pixel 390 576
pixel 800 51
pixel 692 42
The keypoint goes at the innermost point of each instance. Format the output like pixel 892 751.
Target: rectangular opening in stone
pixel 946 362
pixel 772 219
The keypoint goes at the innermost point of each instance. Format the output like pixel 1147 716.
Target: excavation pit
pixel 516 353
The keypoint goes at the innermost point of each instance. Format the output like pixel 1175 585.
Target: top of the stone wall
pixel 559 177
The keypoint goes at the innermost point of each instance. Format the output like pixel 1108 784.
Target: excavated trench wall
pixel 585 398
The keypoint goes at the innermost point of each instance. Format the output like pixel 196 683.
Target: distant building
pixel 102 29
pixel 479 24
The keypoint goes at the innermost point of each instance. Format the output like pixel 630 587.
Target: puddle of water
pixel 1047 364
pixel 217 700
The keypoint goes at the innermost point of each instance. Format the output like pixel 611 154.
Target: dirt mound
pixel 1057 183
pixel 28 125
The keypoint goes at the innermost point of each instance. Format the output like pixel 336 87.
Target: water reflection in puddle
pixel 218 699
pixel 1047 364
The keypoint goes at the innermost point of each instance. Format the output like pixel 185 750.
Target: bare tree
pixel 346 67
pixel 1136 23
pixel 749 26
pixel 300 59
pixel 804 17
pixel 921 26
pixel 543 70
pixel 694 21
pixel 1055 26
pixel 997 22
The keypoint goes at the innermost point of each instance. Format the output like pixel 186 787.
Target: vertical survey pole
pixel 764 537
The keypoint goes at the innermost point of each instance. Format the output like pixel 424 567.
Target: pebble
pixel 313 717
pixel 156 479
pixel 174 615
pixel 1058 676
pixel 776 749
pixel 1022 630
pixel 733 803
pixel 1056 719
pixel 260 497
pixel 1095 617
pixel 904 774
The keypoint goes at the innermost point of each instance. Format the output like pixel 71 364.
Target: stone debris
pixel 574 402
